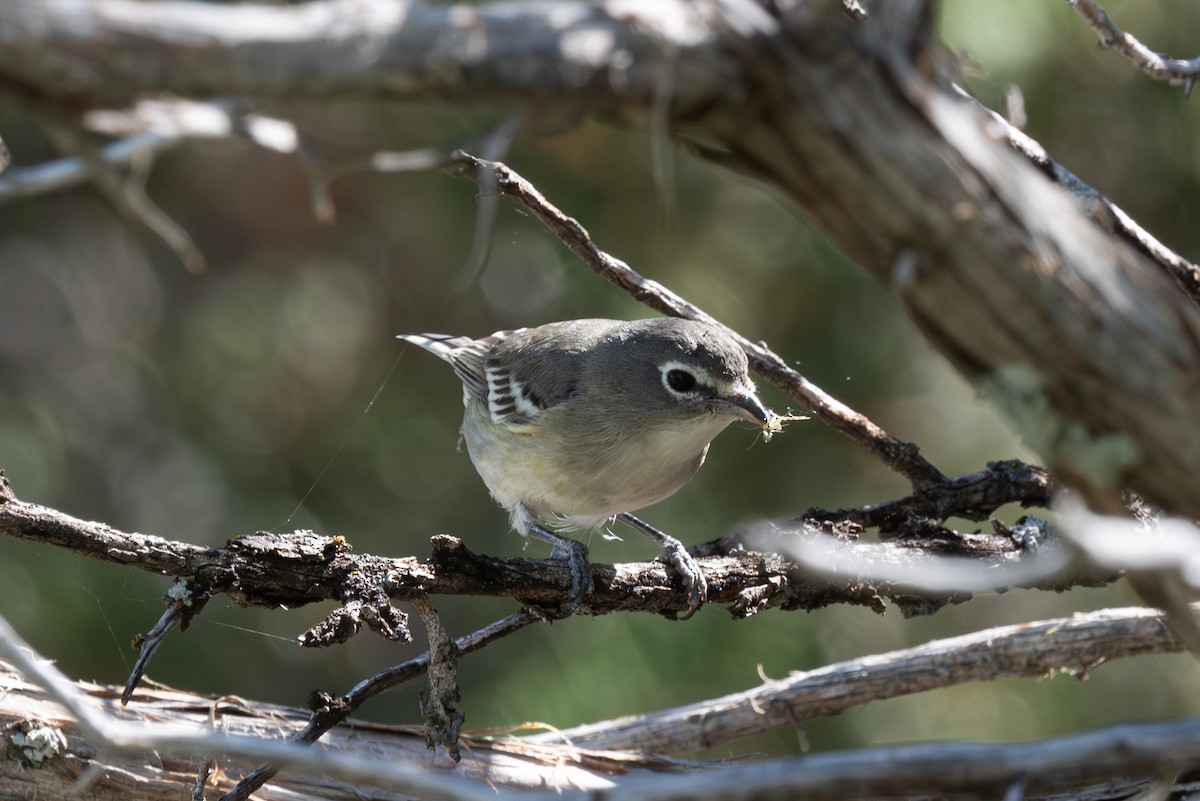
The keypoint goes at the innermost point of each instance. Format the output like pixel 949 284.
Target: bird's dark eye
pixel 681 380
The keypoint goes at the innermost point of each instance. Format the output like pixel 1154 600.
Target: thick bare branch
pixel 1071 645
pixel 1112 763
pixel 517 51
pixel 1077 335
pixel 291 570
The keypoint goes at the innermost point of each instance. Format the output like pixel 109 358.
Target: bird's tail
pixel 444 346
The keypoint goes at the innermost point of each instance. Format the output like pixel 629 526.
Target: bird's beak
pixel 746 405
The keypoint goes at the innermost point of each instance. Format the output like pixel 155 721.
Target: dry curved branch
pixel 336 711
pixel 1064 645
pixel 1113 763
pixel 903 457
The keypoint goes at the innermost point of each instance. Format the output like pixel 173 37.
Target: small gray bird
pixel 575 423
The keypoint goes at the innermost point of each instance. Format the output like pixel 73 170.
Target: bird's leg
pixel 576 554
pixel 674 554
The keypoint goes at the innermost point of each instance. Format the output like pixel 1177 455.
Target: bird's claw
pixel 576 555
pixel 674 554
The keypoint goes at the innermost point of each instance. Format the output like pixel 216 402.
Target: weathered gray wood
pixel 1100 764
pixel 67 757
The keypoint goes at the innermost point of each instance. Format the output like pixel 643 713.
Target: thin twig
pixel 496 144
pixel 123 182
pixel 52 176
pixel 136 200
pixel 148 645
pixel 1161 67
pixel 120 168
pixel 903 457
pixel 975 496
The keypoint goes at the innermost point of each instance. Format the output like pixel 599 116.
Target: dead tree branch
pixel 975 497
pixel 1049 647
pixel 291 570
pixel 1113 763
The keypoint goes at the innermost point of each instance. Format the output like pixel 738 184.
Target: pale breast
pixel 579 479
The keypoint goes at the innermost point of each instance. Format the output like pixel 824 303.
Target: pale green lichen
pixel 1102 458
pixel 36 743
pixel 180 591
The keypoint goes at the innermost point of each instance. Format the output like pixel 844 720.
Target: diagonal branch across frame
pixel 903 457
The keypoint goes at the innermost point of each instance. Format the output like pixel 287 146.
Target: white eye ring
pixel 678 379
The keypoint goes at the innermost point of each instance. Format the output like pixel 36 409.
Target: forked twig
pixel 337 710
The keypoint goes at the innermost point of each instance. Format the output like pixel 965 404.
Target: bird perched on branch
pixel 575 423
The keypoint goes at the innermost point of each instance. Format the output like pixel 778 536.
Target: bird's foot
pixel 675 554
pixel 576 555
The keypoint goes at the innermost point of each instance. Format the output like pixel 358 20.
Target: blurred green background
pixel 268 393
